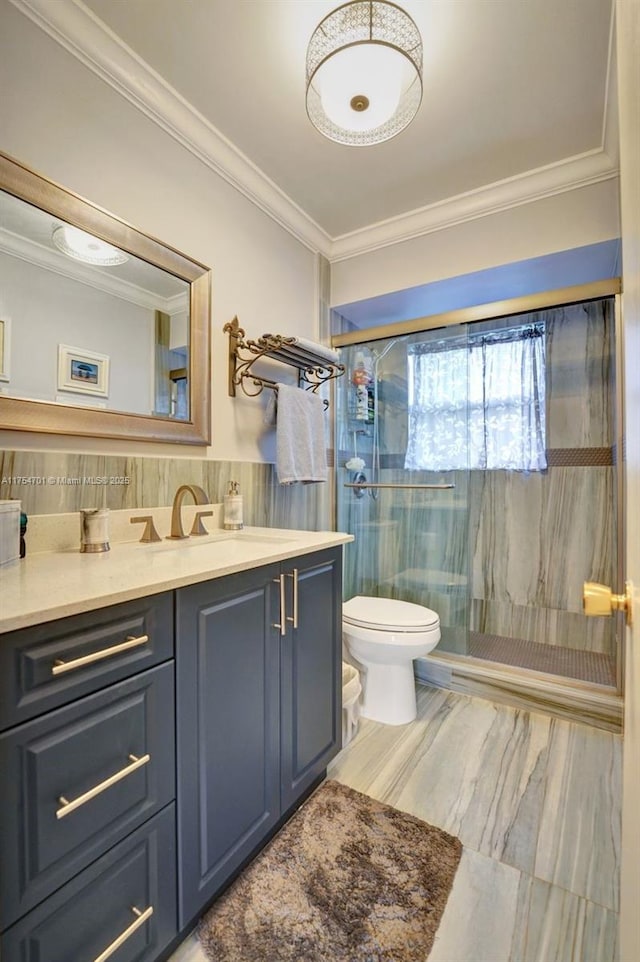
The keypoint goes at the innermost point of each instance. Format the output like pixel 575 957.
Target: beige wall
pixel 587 215
pixel 59 118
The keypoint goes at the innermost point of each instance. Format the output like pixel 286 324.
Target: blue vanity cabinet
pixel 93 772
pixel 311 672
pixel 149 749
pixel 258 708
pixel 228 707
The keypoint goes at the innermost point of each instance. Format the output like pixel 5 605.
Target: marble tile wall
pixel 504 553
pixel 54 482
pixel 535 540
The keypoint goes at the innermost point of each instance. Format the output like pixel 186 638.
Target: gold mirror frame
pixel 23 414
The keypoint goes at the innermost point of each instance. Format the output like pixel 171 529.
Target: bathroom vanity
pixel 163 709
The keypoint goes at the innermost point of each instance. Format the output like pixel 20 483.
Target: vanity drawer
pixel 51 664
pixel 85 917
pixel 78 780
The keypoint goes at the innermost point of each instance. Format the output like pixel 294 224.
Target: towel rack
pixel 313 369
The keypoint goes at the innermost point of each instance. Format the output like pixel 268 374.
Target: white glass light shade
pixel 85 247
pixel 364 73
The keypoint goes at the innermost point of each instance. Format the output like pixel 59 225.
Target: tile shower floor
pixel 536 803
pixel 593 666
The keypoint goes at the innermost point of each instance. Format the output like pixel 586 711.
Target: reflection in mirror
pixel 89 333
pixel 103 330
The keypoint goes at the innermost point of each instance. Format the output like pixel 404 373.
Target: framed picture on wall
pixel 82 371
pixel 5 349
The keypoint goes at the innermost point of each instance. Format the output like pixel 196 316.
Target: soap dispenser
pixel 233 507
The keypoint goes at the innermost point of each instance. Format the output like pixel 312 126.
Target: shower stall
pixel 476 466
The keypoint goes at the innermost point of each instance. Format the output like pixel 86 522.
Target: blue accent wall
pixel 581 265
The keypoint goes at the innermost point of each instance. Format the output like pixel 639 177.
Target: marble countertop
pixel 54 584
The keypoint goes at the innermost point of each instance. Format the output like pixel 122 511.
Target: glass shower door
pixel 477 469
pixel 409 523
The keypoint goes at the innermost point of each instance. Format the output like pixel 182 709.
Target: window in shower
pixel 478 401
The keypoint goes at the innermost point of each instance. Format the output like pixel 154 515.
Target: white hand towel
pixel 300 441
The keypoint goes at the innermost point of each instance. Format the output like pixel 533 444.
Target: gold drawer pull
pixel 141 918
pixel 70 806
pixel 294 619
pixel 60 667
pixel 282 624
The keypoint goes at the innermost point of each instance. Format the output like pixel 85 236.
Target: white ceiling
pixel 509 86
pixel 519 104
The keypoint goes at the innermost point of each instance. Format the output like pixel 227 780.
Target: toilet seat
pixel 388 615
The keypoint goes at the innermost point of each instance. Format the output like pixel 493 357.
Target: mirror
pixel 104 331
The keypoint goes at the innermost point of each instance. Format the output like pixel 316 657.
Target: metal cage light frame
pixel 354 25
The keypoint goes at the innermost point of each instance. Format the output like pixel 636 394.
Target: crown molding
pixel 34 253
pixel 570 174
pixel 71 24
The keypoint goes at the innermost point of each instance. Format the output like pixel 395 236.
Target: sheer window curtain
pixel 478 402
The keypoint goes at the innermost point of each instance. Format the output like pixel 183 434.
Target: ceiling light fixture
pixel 85 247
pixel 364 73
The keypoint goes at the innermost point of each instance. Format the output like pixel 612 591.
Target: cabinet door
pixel 227 663
pixel 311 686
pixel 125 901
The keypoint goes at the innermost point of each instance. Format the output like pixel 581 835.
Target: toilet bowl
pixel 382 636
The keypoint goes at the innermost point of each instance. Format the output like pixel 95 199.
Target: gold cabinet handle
pixel 60 667
pixel 294 620
pixel 599 600
pixel 282 624
pixel 66 806
pixel 140 919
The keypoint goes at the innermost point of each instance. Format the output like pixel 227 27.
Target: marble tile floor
pixel 536 803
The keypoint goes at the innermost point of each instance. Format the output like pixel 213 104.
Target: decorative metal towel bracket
pixel 313 369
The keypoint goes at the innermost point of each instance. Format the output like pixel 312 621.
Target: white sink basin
pixel 261 538
pixel 223 538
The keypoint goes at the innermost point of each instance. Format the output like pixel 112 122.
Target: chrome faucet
pixel 199 497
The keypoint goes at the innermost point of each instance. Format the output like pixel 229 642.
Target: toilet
pixel 382 636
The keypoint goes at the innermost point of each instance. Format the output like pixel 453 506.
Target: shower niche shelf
pixel 313 368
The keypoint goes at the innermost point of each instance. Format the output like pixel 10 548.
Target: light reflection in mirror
pixel 72 321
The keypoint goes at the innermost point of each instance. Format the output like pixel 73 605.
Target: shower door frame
pixel 523 687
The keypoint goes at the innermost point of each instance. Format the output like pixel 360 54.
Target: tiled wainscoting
pixel 55 483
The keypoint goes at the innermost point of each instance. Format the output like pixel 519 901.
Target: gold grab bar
pixel 294 620
pixel 366 484
pixel 60 667
pixel 141 918
pixel 70 806
pixel 282 624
